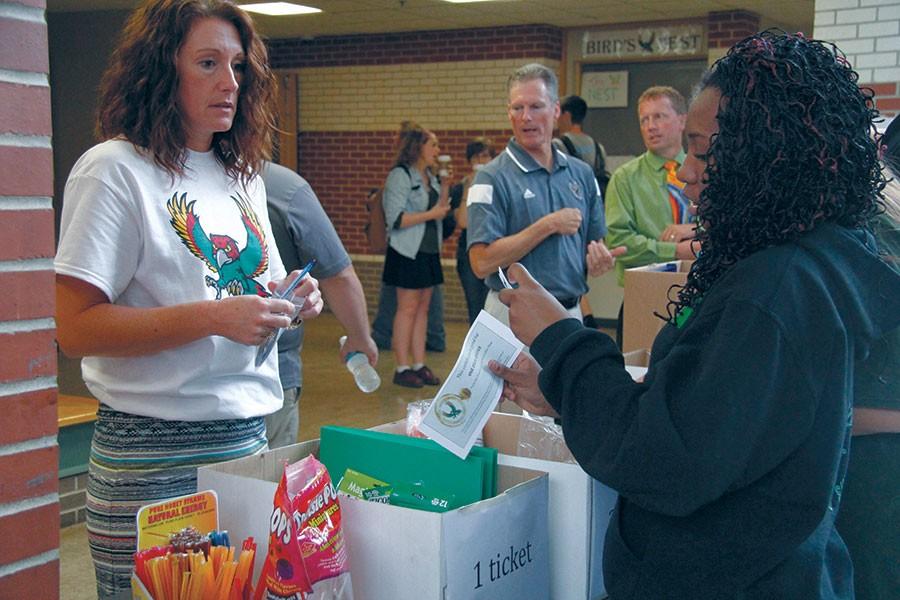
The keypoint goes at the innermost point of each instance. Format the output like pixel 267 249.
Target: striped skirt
pixel 140 460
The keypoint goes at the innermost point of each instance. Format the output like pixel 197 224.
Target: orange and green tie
pixel 677 201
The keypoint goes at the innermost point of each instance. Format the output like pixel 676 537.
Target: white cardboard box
pixel 493 549
pixel 580 508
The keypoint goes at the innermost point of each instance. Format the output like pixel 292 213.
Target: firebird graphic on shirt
pixel 236 268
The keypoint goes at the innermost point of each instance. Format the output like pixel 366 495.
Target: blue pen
pixel 263 350
pixel 290 288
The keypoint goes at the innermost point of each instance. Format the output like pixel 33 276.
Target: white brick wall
pixel 867 31
pixel 886 75
pixel 836 33
pixel 836 4
pixel 447 95
pixel 824 17
pixel 856 15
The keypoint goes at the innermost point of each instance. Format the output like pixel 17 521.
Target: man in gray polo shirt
pixel 303 231
pixel 534 205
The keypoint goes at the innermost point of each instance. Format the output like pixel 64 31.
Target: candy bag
pixel 283 576
pixel 317 522
pixel 307 557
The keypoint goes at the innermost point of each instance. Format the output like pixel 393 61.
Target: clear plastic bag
pixel 415 412
pixel 541 437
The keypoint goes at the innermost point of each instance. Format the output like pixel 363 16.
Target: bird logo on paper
pixel 451 409
pixel 236 268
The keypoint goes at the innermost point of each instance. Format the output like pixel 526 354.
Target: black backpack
pixel 600 173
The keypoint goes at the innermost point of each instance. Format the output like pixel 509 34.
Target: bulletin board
pixel 605 89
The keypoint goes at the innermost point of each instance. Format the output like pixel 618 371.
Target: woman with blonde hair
pixel 415 203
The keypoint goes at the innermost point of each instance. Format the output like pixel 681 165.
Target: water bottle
pixel 366 378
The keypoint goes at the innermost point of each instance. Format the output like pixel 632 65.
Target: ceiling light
pixel 279 9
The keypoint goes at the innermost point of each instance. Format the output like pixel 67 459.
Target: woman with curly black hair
pixel 730 456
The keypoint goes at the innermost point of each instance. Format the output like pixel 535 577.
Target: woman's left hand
pixel 520 384
pixel 314 302
pixel 306 296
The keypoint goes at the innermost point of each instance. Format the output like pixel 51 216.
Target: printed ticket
pixel 471 392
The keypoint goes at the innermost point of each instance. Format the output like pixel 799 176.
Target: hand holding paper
pixel 521 385
pixel 464 403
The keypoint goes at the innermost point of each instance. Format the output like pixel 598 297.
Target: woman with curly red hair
pixel 166 262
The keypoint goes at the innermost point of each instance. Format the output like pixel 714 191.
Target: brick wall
pixel 355 90
pixel 29 503
pixel 341 166
pixel 868 32
pixel 72 499
pixel 489 43
pixel 725 28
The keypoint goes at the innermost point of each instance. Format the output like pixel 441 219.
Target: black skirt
pixel 423 271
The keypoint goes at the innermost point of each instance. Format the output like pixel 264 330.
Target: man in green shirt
pixel 645 210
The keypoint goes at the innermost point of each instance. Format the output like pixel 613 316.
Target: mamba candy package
pixel 307 558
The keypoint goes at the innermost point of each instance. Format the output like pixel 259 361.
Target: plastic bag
pixel 415 412
pixel 307 555
pixel 540 437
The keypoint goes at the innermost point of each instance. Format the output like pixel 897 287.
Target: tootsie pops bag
pixel 307 558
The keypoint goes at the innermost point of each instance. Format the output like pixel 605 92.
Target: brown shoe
pixel 427 377
pixel 408 378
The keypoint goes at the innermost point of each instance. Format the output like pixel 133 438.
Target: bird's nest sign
pixel 687 40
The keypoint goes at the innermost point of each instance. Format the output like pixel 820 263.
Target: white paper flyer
pixel 471 392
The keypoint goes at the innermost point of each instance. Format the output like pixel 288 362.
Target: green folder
pixel 397 458
pixel 489 458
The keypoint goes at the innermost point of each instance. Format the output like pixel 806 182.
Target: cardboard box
pixel 646 292
pixel 580 508
pixel 493 549
pixel 637 363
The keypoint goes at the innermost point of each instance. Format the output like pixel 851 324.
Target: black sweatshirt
pixel 729 458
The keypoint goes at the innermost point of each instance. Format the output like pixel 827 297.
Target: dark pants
pixel 869 516
pixel 383 325
pixel 473 288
